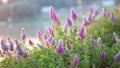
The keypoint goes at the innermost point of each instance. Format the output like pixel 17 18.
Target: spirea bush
pixel 92 43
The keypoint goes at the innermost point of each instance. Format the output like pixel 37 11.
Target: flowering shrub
pixel 94 43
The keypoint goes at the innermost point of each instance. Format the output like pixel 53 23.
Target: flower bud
pixel 39 35
pixel 30 42
pixel 23 36
pixel 112 18
pixel 69 23
pixel 39 46
pixel 74 62
pixel 102 56
pixel 117 56
pixel 99 42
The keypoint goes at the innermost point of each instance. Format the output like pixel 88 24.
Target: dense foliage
pixel 94 43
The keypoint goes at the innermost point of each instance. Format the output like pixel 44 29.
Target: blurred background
pixel 33 15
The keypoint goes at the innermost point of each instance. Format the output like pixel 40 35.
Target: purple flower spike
pixel 47 44
pixel 39 35
pixel 30 42
pixel 19 51
pixel 69 23
pixel 81 32
pixel 89 18
pixel 96 14
pixel 112 18
pixel 45 36
pixel 102 56
pixel 73 14
pixel 60 49
pixel 50 30
pixel 52 14
pixel 99 42
pixel 65 28
pixel 23 36
pixel 11 47
pixel 85 22
pixel 39 46
pixel 117 56
pixel 56 22
pixel 74 62
pixel 4 46
pixel 91 10
pixel 104 12
pixel 53 41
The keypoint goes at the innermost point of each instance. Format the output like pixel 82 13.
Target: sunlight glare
pixel 4 1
